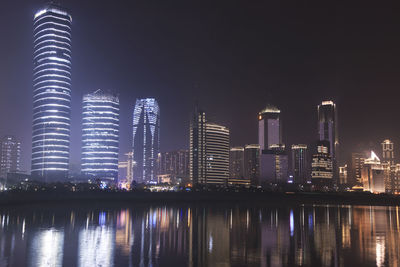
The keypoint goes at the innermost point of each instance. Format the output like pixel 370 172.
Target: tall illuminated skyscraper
pixel 328 131
pixel 217 154
pixel 209 151
pixel 52 93
pixel 388 151
pixel 269 127
pixel 100 136
pixel 146 139
pixel 299 163
pixel 197 148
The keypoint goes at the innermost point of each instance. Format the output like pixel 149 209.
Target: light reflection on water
pixel 200 235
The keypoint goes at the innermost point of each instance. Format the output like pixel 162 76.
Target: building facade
pixel 236 166
pixel 175 164
pixel 209 151
pixel 100 136
pixel 51 93
pixel 299 163
pixel 217 154
pixel 269 127
pixel 252 163
pixel 321 165
pixel 328 131
pixel 375 174
pixel 197 148
pixel 146 139
pixel 10 156
pixel 274 165
pixel 388 151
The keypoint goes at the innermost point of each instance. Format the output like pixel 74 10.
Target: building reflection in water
pixel 201 235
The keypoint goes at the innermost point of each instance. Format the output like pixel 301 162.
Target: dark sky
pixel 234 57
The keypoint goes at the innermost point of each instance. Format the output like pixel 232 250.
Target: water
pixel 200 235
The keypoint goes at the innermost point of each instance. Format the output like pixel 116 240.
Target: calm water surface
pixel 200 235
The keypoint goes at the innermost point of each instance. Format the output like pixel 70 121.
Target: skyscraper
pixel 388 151
pixel 217 154
pixel 273 158
pixel 269 127
pixel 209 151
pixel 146 139
pixel 100 136
pixel 328 131
pixel 299 163
pixel 375 174
pixel 10 155
pixel 52 93
pixel 236 166
pixel 197 148
pixel 322 169
pixel 252 163
pixel 356 165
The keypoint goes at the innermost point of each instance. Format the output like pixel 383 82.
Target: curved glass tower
pixel 52 93
pixel 100 136
pixel 146 139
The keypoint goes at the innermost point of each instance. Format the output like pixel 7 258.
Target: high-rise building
pixel 374 174
pixel 52 93
pixel 10 156
pixel 274 165
pixel 356 165
pixel 299 163
pixel 236 158
pixel 146 139
pixel 217 154
pixel 328 131
pixel 209 151
pixel 321 166
pixel 175 164
pixel 387 151
pixel 100 136
pixel 269 127
pixel 197 148
pixel 252 163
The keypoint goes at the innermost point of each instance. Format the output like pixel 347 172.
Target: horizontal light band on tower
pixel 100 136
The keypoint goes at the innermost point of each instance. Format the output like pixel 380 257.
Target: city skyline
pixel 88 74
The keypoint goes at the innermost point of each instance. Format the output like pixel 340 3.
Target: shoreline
pixel 255 198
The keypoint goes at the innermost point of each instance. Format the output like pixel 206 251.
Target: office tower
pixel 10 155
pixel 252 163
pixel 299 163
pixel 387 151
pixel 269 127
pixel 146 139
pixel 100 136
pixel 321 166
pixel 175 164
pixel 217 154
pixel 343 174
pixel 209 151
pixel 357 163
pixel 52 93
pixel 197 148
pixel 328 131
pixel 236 158
pixel 374 174
pixel 274 165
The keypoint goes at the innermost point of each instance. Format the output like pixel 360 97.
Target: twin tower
pixel 100 120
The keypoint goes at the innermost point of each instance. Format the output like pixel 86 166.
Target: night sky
pixel 233 57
